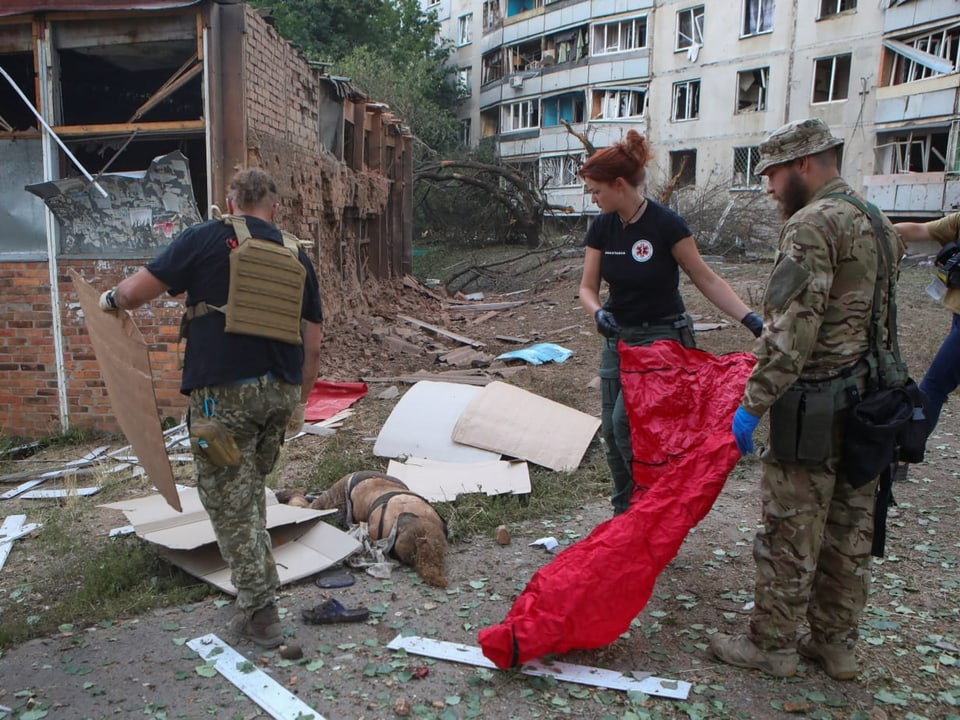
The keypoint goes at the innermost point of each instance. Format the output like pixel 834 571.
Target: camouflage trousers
pixel 255 413
pixel 812 555
pixel 614 423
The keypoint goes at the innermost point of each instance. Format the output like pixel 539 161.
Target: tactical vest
pixel 265 296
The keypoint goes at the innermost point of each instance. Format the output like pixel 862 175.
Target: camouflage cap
pixel 795 140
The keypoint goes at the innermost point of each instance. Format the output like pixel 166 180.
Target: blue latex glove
pixel 744 423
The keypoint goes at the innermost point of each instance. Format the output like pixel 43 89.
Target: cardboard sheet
pixel 517 423
pixel 302 546
pixel 442 481
pixel 422 422
pixel 124 361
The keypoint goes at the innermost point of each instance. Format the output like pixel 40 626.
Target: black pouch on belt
pixel 802 426
pixel 872 428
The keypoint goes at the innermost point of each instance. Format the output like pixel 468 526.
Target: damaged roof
pixel 25 7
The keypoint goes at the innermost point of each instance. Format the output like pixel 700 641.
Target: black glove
pixel 754 323
pixel 606 323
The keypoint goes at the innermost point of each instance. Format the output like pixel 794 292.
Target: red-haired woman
pixel 638 247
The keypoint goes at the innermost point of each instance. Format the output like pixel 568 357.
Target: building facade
pixel 191 91
pixel 707 81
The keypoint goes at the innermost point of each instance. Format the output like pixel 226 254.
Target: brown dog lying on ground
pixel 416 534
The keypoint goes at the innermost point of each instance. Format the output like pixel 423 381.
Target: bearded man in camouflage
pixel 813 552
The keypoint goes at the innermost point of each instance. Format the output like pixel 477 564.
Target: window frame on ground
pixel 687 93
pixel 757 17
pixel 745 158
pixel 689 30
pixel 839 72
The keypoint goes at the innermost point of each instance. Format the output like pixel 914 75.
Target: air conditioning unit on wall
pixel 516 81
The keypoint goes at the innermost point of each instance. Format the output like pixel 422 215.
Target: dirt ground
pixel 140 667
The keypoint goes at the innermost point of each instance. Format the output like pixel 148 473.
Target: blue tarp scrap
pixel 538 354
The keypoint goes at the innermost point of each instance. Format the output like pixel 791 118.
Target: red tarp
pixel 681 403
pixel 328 398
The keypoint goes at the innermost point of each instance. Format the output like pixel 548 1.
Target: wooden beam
pixel 184 74
pixel 440 331
pixel 152 128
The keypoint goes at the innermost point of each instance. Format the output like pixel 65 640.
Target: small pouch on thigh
pixel 210 437
pixel 785 426
pixel 817 418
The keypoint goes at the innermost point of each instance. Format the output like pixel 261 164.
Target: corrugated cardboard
pixel 302 546
pixel 517 423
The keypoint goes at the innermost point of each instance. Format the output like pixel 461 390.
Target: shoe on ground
pixel 741 651
pixel 262 628
pixel 838 661
pixel 333 611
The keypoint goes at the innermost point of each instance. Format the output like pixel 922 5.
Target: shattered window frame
pixel 620 36
pixel 491 14
pixel 690 23
pixel 560 171
pixel 683 163
pixel 744 161
pixel 917 150
pixel 942 42
pixel 752 97
pixel 619 103
pixel 831 79
pixel 686 101
pixel 491 65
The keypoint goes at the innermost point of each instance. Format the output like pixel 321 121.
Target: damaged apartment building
pixel 121 123
pixel 707 81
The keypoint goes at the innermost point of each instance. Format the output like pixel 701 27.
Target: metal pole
pixel 46 127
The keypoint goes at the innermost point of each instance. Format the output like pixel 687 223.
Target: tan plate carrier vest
pixel 265 296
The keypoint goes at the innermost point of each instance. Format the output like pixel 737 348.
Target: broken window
pixel 620 36
pixel 567 46
pixel 757 17
pixel 752 90
pixel 568 106
pixel 491 14
pixel 465 29
pixel 683 168
pixel 464 76
pixel 489 122
pixel 744 160
pixel 914 151
pixel 525 56
pixel 831 79
pixel 560 170
pixel 830 8
pixel 520 115
pixel 492 66
pixel 465 132
pixel 686 100
pixel 690 27
pixel 916 57
pixel 515 7
pixel 612 103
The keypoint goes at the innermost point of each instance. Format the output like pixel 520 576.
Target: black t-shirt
pixel 198 262
pixel 638 264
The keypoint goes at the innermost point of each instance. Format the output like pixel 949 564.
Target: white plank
pixel 567 672
pixel 52 493
pixel 13 527
pixel 266 692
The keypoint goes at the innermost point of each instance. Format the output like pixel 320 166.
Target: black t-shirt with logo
pixel 638 264
pixel 198 262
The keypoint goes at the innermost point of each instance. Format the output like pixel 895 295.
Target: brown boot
pixel 837 660
pixel 741 651
pixel 262 628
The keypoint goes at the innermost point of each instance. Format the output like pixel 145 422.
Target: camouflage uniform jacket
pixel 818 297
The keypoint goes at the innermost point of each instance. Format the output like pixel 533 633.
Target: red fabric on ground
pixel 328 398
pixel 681 404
